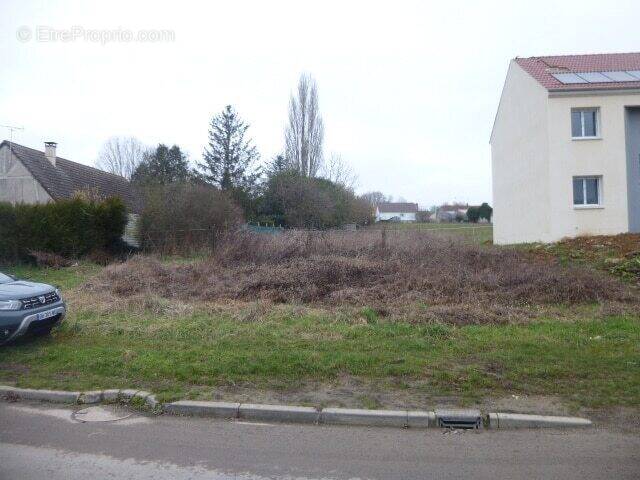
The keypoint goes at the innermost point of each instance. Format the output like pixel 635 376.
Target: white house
pixel 451 213
pixel 394 211
pixel 565 148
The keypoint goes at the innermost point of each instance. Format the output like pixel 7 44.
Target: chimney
pixel 50 152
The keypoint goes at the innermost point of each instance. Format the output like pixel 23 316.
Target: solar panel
pixel 569 78
pixel 595 77
pixel 620 76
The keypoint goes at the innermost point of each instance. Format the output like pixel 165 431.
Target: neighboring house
pixel 398 212
pixel 451 213
pixel 31 176
pixel 566 148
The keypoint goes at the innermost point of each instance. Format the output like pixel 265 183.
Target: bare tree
pixel 375 198
pixel 339 171
pixel 305 132
pixel 121 156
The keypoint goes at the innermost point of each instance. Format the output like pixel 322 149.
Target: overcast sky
pixel 408 90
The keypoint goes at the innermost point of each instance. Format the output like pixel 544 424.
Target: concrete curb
pixel 56 396
pixel 371 418
pixel 278 413
pixel 521 420
pixel 203 409
pixel 289 414
pixel 83 398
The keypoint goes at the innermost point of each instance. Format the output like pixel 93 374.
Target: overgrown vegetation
pixel 181 217
pixel 70 228
pixel 402 319
pixel 458 283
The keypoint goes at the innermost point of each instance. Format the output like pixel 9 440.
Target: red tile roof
pixel 541 69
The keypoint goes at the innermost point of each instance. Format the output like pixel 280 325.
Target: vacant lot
pixel 360 319
pixel 473 232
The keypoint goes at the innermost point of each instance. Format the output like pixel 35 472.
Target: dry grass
pixel 422 277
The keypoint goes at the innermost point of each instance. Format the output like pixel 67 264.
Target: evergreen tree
pixel 229 157
pixel 485 211
pixel 278 164
pixel 163 166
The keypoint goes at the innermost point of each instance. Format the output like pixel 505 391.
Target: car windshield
pixel 5 278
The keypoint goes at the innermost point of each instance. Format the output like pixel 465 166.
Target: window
pixel 584 123
pixel 587 191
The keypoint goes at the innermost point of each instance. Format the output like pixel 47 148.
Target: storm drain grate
pixel 466 419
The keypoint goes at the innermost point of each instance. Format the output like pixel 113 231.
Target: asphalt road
pixel 44 442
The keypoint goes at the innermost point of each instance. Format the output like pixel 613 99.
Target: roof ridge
pixel 65 159
pixel 540 57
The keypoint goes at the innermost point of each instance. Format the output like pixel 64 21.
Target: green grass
pixel 477 233
pixel 65 278
pixel 592 362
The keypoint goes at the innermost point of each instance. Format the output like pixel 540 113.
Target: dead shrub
pixel 461 283
pixel 49 260
pixel 100 257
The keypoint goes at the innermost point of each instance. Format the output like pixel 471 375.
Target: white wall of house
pixel 17 185
pixel 520 161
pixel 605 156
pixel 404 216
pixel 535 158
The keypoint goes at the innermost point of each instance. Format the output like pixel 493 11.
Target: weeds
pixel 375 271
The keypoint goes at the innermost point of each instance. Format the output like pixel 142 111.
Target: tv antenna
pixel 11 129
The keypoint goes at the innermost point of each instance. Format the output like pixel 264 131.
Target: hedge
pixel 70 228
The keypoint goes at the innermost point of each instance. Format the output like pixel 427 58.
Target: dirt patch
pixel 624 245
pixel 616 254
pixel 457 282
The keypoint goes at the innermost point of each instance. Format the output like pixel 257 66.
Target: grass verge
pixel 592 362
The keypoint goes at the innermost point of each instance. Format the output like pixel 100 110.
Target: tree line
pixel 296 188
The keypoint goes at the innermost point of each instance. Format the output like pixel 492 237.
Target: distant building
pixel 396 212
pixel 451 213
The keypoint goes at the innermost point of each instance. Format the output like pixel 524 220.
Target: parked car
pixel 28 308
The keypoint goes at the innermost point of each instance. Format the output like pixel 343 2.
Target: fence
pixel 204 240
pixel 173 242
pixel 473 233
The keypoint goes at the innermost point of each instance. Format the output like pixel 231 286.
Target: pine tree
pixel 278 164
pixel 229 157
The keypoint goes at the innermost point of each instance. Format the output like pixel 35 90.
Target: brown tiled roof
pixel 391 207
pixel 67 177
pixel 542 68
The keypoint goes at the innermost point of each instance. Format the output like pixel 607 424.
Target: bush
pixel 181 217
pixel 70 228
pixel 292 200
